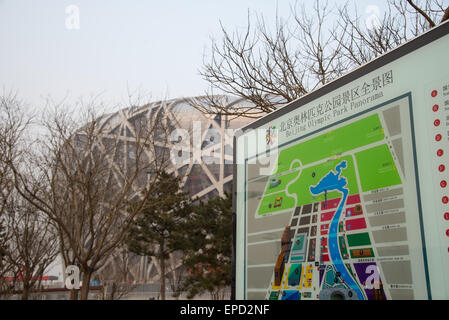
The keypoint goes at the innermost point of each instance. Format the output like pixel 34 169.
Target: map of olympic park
pixel 337 216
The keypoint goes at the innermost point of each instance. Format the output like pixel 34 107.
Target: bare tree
pixel 13 124
pixel 305 51
pixel 84 173
pixel 402 21
pixel 32 244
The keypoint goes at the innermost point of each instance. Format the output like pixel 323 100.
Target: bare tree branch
pixel 421 12
pixel 84 173
pixel 271 68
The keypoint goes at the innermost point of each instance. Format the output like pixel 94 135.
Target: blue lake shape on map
pixel 335 182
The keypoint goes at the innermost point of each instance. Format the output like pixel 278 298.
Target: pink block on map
pixel 353 199
pixel 323 242
pixel 350 212
pixel 324 229
pixel 326 216
pixel 331 204
pixel 355 224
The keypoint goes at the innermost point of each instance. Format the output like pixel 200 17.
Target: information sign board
pixel 343 194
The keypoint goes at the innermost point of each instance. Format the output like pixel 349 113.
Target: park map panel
pixel 333 220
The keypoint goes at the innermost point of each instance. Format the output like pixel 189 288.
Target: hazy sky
pixel 153 46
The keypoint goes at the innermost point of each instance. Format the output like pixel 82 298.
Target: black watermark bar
pixel 207 309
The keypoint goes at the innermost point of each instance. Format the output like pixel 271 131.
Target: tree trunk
pixel 113 290
pixel 74 294
pixel 85 286
pixel 162 263
pixel 25 292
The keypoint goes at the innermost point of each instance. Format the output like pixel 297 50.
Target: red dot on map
pixel 443 184
pixel 445 199
pixel 435 108
pixel 440 152
pixel 438 137
pixel 441 168
pixel 436 123
pixel 447 232
pixel 446 216
pixel 434 93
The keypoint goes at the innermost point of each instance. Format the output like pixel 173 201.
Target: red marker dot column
pixel 440 152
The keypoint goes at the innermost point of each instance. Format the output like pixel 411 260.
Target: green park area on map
pixel 354 135
pixel 376 168
pixel 375 165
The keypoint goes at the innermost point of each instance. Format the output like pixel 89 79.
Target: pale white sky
pixel 155 47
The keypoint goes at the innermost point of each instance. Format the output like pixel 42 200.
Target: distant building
pixel 211 134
